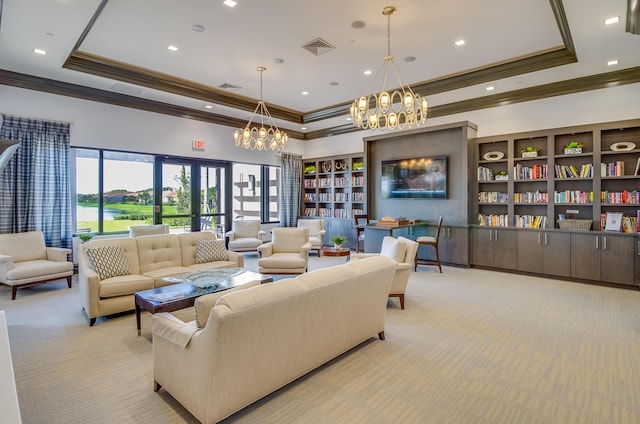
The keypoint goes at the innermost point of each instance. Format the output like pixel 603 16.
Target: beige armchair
pixel 403 251
pixel 25 260
pixel 245 236
pixel 316 232
pixel 286 253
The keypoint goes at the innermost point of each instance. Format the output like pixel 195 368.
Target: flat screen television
pixel 418 178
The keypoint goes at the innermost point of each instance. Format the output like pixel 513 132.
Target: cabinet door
pixel 636 254
pixel 530 251
pixel 556 254
pixel 482 246
pixel 616 259
pixel 505 254
pixel 456 246
pixel 585 256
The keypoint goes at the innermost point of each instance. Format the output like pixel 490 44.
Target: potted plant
pixel 529 152
pixel 502 175
pixel 358 166
pixel 310 169
pixel 337 241
pixel 573 148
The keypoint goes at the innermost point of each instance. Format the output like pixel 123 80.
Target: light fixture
pixel 398 110
pixel 253 138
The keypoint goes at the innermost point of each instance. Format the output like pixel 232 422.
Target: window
pixel 246 191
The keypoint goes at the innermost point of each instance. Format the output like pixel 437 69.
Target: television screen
pixel 419 178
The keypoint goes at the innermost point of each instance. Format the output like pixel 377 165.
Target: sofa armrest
pixel 363 255
pixel 6 263
pixel 305 248
pixel 266 249
pixel 405 265
pixel 321 233
pixel 89 288
pixel 236 257
pixel 58 254
pixel 231 235
pixel 261 235
pixel 172 329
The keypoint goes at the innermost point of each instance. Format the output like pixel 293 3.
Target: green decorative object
pixel 310 169
pixel 338 241
pixel 85 236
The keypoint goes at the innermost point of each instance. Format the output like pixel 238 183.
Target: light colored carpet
pixel 472 346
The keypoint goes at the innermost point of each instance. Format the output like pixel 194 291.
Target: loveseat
pixel 111 271
pixel 262 338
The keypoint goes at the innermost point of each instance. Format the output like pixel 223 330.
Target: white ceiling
pixel 255 32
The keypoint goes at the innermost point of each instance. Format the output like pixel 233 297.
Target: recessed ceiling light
pixel 357 24
pixel 278 60
pixel 460 43
pixel 349 118
pixel 367 72
pixel 173 48
pixel 612 62
pixel 410 59
pixel 230 3
pixel 490 88
pixel 197 28
pixel 208 107
pixel 305 93
pixel 334 83
pixel 39 51
pixel 610 21
pixel 303 128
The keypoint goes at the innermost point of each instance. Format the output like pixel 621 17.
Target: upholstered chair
pixel 25 260
pixel 431 241
pixel 403 251
pixel 286 253
pixel 360 222
pixel 245 236
pixel 316 232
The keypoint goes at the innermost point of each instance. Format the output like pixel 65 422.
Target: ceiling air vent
pixel 318 46
pixel 227 86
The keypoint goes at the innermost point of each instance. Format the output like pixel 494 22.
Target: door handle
pixel 604 243
pixel 546 240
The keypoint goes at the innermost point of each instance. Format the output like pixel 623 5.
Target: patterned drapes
pixel 290 189
pixel 35 185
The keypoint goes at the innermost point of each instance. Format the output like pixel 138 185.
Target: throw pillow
pixel 108 261
pixel 210 251
pixel 393 249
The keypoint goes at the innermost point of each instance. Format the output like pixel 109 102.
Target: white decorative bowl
pixel 622 146
pixel 493 156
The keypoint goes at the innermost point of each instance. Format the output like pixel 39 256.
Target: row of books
pixel 338 213
pixel 573 196
pixel 492 197
pixel 530 221
pixel 357 197
pixel 493 220
pixel 616 221
pixel 612 169
pixel 357 181
pixel 570 171
pixel 309 183
pixel 531 197
pixel 620 197
pixel 535 172
pixel 485 174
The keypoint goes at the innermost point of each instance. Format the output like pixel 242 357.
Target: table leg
pixel 138 310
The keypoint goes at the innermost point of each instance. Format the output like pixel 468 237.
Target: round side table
pixel 332 251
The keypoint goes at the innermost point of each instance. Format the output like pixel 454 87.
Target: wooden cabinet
pixel 453 245
pixel 603 257
pixel 494 247
pixel 544 252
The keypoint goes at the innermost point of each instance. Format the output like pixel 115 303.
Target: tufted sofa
pixel 148 260
pixel 262 338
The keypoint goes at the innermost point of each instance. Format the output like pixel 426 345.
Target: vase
pixel 337 246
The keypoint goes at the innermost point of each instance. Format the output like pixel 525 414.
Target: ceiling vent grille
pixel 227 86
pixel 318 46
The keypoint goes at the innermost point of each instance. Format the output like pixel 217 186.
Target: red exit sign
pixel 197 145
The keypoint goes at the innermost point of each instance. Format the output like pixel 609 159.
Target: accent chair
pixel 245 236
pixel 286 253
pixel 316 232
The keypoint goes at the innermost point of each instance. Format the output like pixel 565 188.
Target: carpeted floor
pixel 472 346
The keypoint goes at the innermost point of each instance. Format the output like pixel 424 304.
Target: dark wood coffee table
pixel 332 251
pixel 183 294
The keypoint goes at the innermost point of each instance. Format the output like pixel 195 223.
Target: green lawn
pixel 117 225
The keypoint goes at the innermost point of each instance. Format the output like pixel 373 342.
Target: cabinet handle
pixel 448 232
pixel 496 235
pixel 490 235
pixel 597 242
pixel 546 240
pixel 604 243
pixel 539 238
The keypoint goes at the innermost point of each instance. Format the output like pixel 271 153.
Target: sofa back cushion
pixel 28 246
pixel 392 248
pixel 157 252
pixel 188 245
pixel 289 240
pixel 127 244
pixel 314 226
pixel 249 228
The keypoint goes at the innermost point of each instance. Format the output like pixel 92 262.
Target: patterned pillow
pixel 108 261
pixel 210 251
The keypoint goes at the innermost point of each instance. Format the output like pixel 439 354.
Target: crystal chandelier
pixel 254 138
pixel 399 110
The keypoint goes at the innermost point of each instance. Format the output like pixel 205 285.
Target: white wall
pixel 101 125
pixel 113 127
pixel 591 107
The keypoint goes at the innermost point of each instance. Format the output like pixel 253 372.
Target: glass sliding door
pixel 176 195
pixel 212 199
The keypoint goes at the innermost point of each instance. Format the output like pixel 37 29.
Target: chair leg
pixel 69 281
pixel 14 291
pixel 438 260
pixel 381 335
pixel 401 301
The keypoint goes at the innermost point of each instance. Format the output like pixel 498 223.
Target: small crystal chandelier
pixel 399 110
pixel 253 138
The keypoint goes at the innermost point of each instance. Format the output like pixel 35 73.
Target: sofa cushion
pixel 37 268
pixel 210 251
pixel 392 248
pixel 27 246
pixel 204 303
pixel 188 245
pixel 283 261
pixel 124 285
pixel 108 261
pixel 158 252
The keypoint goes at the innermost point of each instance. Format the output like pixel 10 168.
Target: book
pixel 603 221
pixel 614 221
pixel 636 172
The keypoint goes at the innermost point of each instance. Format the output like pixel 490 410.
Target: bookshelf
pixel 333 188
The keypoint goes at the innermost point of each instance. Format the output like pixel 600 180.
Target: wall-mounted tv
pixel 418 178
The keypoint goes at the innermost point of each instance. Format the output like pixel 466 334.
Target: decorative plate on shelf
pixel 326 166
pixel 622 146
pixel 493 156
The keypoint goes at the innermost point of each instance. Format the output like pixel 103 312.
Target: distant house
pixel 120 196
pixel 169 197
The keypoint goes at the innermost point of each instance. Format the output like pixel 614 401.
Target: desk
pixel 373 234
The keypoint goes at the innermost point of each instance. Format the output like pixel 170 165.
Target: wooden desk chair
pixel 361 221
pixel 433 242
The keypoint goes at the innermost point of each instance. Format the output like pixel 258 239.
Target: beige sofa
pixel 25 260
pixel 149 260
pixel 260 339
